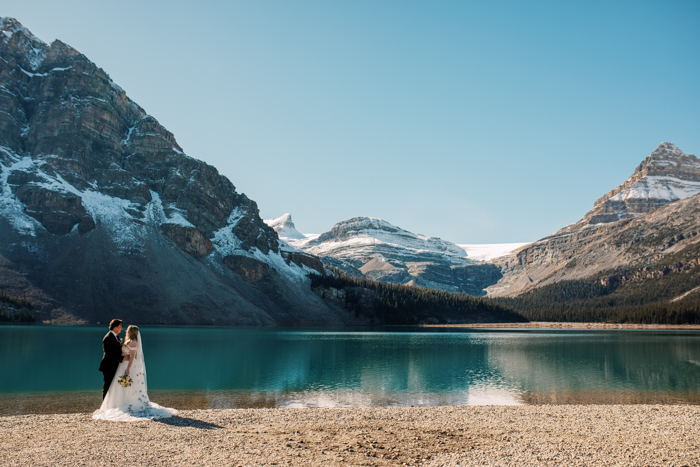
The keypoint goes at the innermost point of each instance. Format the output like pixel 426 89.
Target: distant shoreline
pixel 564 325
pixel 531 325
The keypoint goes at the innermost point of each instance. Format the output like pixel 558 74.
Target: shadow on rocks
pixel 184 421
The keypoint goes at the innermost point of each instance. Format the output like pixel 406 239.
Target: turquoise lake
pixel 54 369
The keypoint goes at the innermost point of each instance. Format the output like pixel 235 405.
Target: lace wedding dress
pixel 131 404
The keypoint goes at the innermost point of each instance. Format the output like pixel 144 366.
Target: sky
pixel 477 122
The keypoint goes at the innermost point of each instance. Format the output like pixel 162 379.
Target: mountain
pixel 666 175
pixel 366 236
pixel 103 215
pixel 653 215
pixel 285 228
pixel 375 249
pixel 652 274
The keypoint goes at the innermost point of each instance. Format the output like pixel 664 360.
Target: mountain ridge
pixel 375 249
pixel 639 221
pixel 103 213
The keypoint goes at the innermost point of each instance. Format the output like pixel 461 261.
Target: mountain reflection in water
pixel 196 367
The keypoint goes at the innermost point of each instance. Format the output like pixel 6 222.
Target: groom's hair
pixel 114 323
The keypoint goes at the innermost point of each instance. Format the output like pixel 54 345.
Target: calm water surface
pixel 54 369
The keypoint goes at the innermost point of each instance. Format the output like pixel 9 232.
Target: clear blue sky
pixel 478 122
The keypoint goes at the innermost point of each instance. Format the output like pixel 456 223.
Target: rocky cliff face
pixel 102 211
pixel 654 214
pixel 70 131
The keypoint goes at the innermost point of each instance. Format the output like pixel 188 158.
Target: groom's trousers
pixel 108 377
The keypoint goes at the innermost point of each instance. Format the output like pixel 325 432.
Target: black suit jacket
pixel 112 353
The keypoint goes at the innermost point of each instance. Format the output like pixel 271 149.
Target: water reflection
pixel 640 361
pixel 233 367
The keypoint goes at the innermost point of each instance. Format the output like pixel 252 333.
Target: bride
pixel 130 404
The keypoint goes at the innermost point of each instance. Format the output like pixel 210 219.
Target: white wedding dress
pixel 131 404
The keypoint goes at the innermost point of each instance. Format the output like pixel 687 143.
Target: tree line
pixel 396 304
pixel 15 309
pixel 644 294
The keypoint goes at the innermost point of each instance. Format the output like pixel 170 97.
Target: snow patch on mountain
pixel 108 211
pixel 659 187
pixel 226 243
pixel 112 214
pixel 156 215
pixel 489 251
pixel 298 274
pixel 10 207
pixel 43 75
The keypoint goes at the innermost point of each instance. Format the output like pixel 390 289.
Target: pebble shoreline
pixel 583 435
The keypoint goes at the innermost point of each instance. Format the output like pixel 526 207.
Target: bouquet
pixel 124 381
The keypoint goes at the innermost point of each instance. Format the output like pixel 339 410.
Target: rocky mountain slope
pixel 654 214
pixel 103 215
pixel 666 175
pixel 375 249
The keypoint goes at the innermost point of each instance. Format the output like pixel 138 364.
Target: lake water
pixel 54 369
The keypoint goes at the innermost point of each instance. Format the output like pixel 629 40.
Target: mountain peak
pixel 32 50
pixel 11 26
pixel 286 219
pixel 665 149
pixel 363 223
pixel 666 175
pixel 284 227
pixel 666 159
pixel 373 231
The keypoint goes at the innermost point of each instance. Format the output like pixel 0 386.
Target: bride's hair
pixel 132 334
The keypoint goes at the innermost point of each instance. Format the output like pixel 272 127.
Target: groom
pixel 112 356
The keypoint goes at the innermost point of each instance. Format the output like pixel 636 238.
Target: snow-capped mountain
pixel 653 214
pixel 103 214
pixel 287 232
pixel 666 175
pixel 364 236
pixel 285 228
pixel 376 249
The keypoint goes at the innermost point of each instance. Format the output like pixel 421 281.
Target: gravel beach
pixel 430 436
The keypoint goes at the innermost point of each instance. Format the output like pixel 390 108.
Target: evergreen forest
pixel 14 309
pixel 667 292
pixel 395 304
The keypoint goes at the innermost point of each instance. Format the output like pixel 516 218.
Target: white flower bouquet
pixel 125 381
